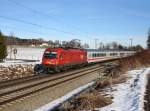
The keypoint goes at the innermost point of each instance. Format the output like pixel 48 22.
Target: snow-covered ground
pixel 26 54
pixel 17 62
pixel 129 96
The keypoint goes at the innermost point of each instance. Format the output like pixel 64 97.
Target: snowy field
pixel 128 96
pixel 25 54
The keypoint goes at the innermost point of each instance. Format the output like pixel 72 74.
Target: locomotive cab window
pixel 50 55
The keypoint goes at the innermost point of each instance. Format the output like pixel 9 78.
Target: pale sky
pixel 106 20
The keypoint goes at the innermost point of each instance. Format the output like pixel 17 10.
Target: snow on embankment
pixel 129 96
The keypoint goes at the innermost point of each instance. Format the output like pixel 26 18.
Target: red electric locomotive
pixel 56 59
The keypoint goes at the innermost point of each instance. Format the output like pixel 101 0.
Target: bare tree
pixel 57 43
pixel 50 43
pixel 107 46
pixel 85 46
pixel 148 40
pixel 114 45
pixel 139 48
pixel 75 43
pixel 120 47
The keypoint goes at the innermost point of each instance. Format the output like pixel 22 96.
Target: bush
pixel 3 48
pixel 88 102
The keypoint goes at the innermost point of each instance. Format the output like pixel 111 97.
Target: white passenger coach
pixel 95 55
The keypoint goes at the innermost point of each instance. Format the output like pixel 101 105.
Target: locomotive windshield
pixel 50 55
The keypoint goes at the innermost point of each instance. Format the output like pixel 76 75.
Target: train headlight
pixel 50 62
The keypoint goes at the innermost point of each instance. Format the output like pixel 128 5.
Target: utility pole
pixel 131 41
pixel 96 43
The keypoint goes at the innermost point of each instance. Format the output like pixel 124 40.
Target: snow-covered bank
pixel 27 53
pixel 57 102
pixel 129 96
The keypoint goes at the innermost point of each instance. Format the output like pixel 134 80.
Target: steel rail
pixel 41 81
pixel 30 90
pixel 17 81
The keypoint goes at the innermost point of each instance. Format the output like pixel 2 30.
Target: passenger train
pixel 58 59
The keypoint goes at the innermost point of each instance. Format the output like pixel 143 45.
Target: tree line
pixel 117 46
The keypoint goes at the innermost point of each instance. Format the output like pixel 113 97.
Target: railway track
pixel 30 78
pixel 34 77
pixel 17 89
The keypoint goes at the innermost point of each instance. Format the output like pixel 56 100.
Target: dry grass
pixel 103 83
pixel 140 59
pixel 88 101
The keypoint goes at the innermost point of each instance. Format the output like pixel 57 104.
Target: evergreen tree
pixel 148 40
pixel 3 48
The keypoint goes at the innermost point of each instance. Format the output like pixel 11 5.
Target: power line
pixel 33 10
pixel 22 29
pixel 25 31
pixel 28 8
pixel 36 25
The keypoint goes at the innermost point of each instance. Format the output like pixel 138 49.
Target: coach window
pixel 104 54
pixel 113 54
pixel 121 54
pixel 93 55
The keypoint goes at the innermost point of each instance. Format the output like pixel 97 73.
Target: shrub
pixel 3 48
pixel 88 101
